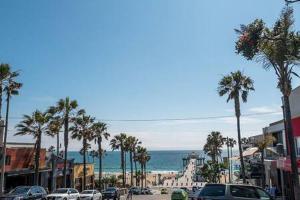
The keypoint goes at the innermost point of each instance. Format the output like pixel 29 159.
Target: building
pixel 278 171
pixel 21 171
pixel 77 176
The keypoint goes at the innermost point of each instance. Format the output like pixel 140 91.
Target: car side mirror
pixel 29 194
pixel 69 192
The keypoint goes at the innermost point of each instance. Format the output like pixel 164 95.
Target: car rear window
pixel 243 191
pixel 213 190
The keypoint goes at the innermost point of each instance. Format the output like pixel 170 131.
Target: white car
pixel 64 194
pixel 90 195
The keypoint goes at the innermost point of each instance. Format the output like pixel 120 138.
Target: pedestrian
pixel 273 191
pixel 267 189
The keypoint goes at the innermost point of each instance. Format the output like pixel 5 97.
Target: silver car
pixel 232 191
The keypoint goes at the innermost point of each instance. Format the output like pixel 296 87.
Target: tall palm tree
pixel 237 85
pixel 34 125
pixel 65 108
pixel 232 143
pixel 228 157
pixel 262 145
pixel 278 49
pixel 213 145
pixel 11 88
pixel 143 157
pixel 54 127
pixel 82 129
pixel 118 143
pixel 131 143
pixel 100 133
pixel 133 151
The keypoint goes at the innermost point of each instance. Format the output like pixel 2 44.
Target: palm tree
pixel 11 88
pixel 231 143
pixel 4 75
pixel 54 127
pixel 94 154
pixel 82 129
pixel 118 143
pixel 131 143
pixel 133 151
pixel 277 48
pixel 34 125
pixel 143 157
pixel 213 146
pixel 237 85
pixel 65 108
pixel 100 132
pixel 262 145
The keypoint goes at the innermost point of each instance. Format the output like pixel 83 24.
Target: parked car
pixel 164 191
pixel 135 190
pixel 26 193
pixel 179 194
pixel 90 195
pixel 64 194
pixel 111 193
pixel 193 194
pixel 185 189
pixel 146 191
pixel 232 191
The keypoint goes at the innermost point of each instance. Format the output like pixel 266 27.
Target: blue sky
pixel 137 60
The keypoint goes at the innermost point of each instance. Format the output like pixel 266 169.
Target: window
pixel 213 190
pixel 7 160
pixel 73 191
pixel 243 191
pixel 262 194
pixel 35 190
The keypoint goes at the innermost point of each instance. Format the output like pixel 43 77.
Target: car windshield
pixel 20 190
pixel 87 192
pixel 61 191
pixel 111 189
pixel 213 190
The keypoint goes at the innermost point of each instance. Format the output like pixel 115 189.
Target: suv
pixel 26 193
pixel 231 191
pixel 111 193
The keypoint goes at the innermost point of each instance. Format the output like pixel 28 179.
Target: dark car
pixel 111 193
pixel 135 190
pixel 232 191
pixel 26 193
pixel 146 191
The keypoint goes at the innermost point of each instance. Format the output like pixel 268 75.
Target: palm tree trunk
pixel 290 137
pixel 66 142
pixel 122 166
pixel 2 181
pixel 131 166
pixel 142 175
pixel 57 144
pixel 135 167
pixel 145 175
pixel 100 160
pixel 238 114
pixel 231 164
pixel 84 163
pixel 37 159
pixel 228 165
pixel 263 182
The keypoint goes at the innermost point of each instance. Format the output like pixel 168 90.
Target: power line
pixel 187 118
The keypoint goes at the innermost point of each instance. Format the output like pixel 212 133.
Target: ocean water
pixel 161 161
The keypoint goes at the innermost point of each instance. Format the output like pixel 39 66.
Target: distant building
pixel 78 176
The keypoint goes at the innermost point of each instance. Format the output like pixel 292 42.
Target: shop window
pixel 7 160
